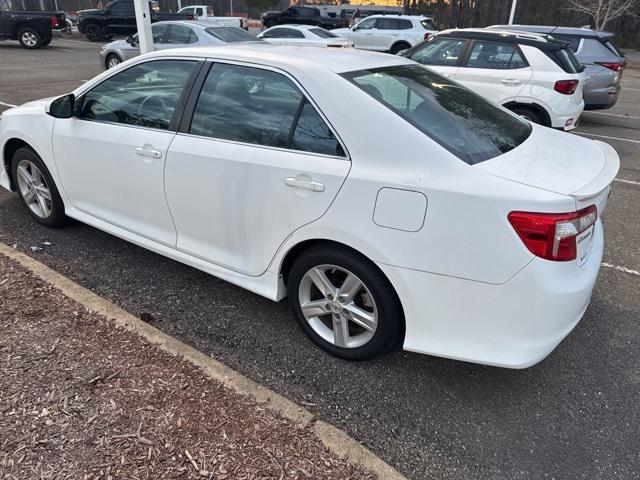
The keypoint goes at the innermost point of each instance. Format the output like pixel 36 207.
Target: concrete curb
pixel 337 441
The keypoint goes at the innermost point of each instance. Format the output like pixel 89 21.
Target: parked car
pixel 388 33
pixel 473 235
pixel 532 75
pixel 71 21
pixel 303 35
pixel 301 15
pixel 173 34
pixel 119 18
pixel 205 13
pixel 33 29
pixel 595 50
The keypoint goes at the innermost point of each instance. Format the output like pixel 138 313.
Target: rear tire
pixel 528 114
pixel 354 320
pixel 29 38
pixel 36 189
pixel 398 47
pixel 94 32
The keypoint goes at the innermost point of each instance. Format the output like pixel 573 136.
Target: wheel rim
pixel 92 32
pixel 338 306
pixel 29 39
pixel 113 62
pixel 34 189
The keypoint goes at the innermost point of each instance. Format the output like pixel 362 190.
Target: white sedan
pixel 391 205
pixel 309 35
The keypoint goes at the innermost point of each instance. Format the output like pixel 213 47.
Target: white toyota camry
pixel 391 205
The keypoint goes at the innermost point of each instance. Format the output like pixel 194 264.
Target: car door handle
pixel 144 152
pixel 307 184
pixel 511 81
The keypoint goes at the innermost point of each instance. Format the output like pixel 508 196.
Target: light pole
pixel 143 23
pixel 513 11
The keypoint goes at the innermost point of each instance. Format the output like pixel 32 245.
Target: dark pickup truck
pixel 302 15
pixel 119 18
pixel 31 29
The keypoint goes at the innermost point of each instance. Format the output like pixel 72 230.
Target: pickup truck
pixel 302 15
pixel 119 18
pixel 32 29
pixel 205 13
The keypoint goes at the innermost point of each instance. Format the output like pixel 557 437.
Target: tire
pixel 375 297
pixel 29 38
pixel 31 193
pixel 398 47
pixel 528 114
pixel 112 60
pixel 94 32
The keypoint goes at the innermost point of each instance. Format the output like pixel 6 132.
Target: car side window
pixel 199 12
pixel 495 56
pixel 443 52
pixel 404 24
pixel 179 35
pixel 573 40
pixel 187 10
pixel 387 24
pixel 367 24
pixel 295 33
pixel 260 107
pixel 158 31
pixel 121 8
pixel 144 95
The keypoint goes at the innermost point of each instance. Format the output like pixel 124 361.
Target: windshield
pixel 464 123
pixel 322 33
pixel 230 34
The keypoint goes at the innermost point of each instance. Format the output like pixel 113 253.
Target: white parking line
pixel 622 180
pixel 634 89
pixel 613 115
pixel 607 136
pixel 8 104
pixel 621 269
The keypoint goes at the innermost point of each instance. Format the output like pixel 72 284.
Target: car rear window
pixel 322 33
pixel 612 47
pixel 565 59
pixel 230 34
pixel 464 123
pixel 428 25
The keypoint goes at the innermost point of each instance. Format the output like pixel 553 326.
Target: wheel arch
pixel 542 111
pixel 8 150
pixel 398 43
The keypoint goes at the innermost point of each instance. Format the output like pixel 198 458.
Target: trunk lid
pixel 559 162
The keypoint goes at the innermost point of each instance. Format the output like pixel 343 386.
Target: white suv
pixel 388 33
pixel 533 75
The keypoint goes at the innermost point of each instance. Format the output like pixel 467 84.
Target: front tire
pixel 112 61
pixel 344 303
pixel 36 188
pixel 94 32
pixel 29 38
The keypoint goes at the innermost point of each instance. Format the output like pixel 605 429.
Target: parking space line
pixel 607 136
pixel 613 115
pixel 622 180
pixel 621 269
pixel 10 105
pixel 634 89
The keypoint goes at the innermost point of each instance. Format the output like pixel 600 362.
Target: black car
pixel 119 18
pixel 302 15
pixel 32 29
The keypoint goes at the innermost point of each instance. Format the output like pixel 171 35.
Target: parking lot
pixel 573 416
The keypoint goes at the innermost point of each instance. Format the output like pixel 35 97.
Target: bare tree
pixel 603 11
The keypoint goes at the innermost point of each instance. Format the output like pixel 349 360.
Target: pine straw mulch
pixel 83 399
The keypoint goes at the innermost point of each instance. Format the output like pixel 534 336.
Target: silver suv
pixel 603 62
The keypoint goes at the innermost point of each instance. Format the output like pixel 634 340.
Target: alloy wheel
pixel 113 62
pixel 34 189
pixel 338 306
pixel 29 39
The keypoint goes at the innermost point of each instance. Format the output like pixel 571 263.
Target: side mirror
pixel 131 41
pixel 62 107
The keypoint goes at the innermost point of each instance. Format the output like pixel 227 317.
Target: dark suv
pixel 603 62
pixel 301 15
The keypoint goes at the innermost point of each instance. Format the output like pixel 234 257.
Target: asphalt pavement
pixel 573 416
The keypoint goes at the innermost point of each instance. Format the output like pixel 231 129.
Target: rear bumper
pixel 601 98
pixel 513 325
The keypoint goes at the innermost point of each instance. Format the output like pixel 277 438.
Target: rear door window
pixel 180 35
pixel 495 56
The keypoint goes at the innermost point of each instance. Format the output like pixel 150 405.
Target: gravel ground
pixel 80 398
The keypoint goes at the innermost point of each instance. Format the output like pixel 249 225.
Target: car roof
pixel 191 23
pixel 550 30
pixel 398 15
pixel 337 60
pixel 296 26
pixel 535 39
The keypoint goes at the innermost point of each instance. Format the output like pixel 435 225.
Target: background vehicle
pixel 303 35
pixel 33 29
pixel 71 20
pixel 603 62
pixel 301 15
pixel 388 33
pixel 173 34
pixel 119 18
pixel 176 134
pixel 205 13
pixel 535 76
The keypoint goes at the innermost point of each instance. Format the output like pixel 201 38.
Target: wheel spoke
pixel 340 331
pixel 361 317
pixel 314 308
pixel 29 196
pixel 43 191
pixel 24 174
pixel 320 280
pixel 349 287
pixel 42 202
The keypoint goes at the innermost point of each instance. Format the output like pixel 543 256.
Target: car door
pixel 111 154
pixel 385 34
pixel 119 15
pixel 362 33
pixel 497 71
pixel 178 36
pixel 252 164
pixel 441 54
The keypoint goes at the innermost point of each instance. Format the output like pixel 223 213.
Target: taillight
pixel 55 22
pixel 615 66
pixel 426 36
pixel 553 235
pixel 566 87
